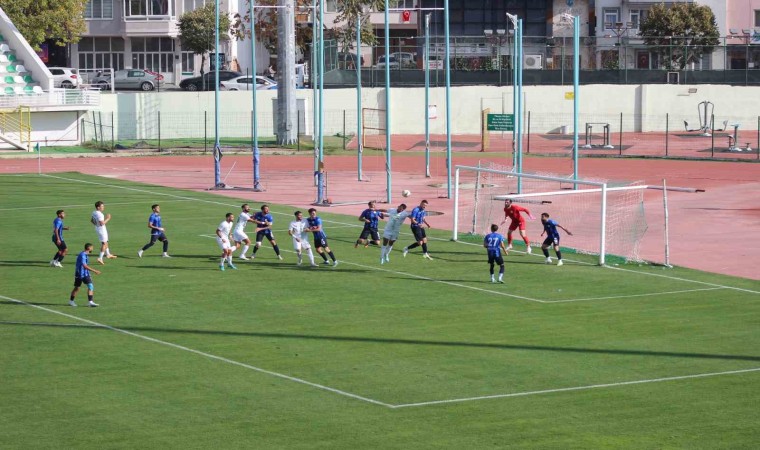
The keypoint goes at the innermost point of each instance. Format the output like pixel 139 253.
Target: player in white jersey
pixel 396 217
pixel 239 233
pixel 298 231
pixel 223 239
pixel 100 220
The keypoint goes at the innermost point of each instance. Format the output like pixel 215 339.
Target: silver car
pixel 129 79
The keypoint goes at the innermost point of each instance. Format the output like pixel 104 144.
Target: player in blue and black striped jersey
pixel 370 217
pixel 417 218
pixel 82 276
pixel 320 238
pixel 58 238
pixel 264 222
pixel 156 232
pixel 494 244
pixel 552 237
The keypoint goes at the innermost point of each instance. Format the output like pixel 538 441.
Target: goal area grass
pixel 409 354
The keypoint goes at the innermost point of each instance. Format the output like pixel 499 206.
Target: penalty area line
pixel 576 388
pixel 204 354
pixel 612 297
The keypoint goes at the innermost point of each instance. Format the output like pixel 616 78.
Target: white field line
pixel 343 223
pixel 632 295
pixel 204 354
pixel 420 277
pixel 576 388
pixel 89 205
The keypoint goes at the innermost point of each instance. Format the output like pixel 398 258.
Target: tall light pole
pixel 255 139
pixel 359 146
pixel 217 144
pixel 426 61
pixel 321 164
pixel 387 104
pixel 517 101
pixel 576 81
pixel 447 63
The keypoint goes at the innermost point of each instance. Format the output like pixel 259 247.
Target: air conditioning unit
pixel 533 62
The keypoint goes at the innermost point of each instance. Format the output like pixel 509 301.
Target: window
pixel 331 6
pixel 156 54
pixel 101 53
pixel 611 15
pixel 406 4
pixel 188 62
pixel 192 5
pixel 143 8
pixel 757 18
pixel 99 9
pixel 635 18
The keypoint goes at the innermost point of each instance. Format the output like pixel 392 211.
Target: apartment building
pixel 123 34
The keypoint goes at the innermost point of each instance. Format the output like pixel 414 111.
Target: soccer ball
pixel 406 193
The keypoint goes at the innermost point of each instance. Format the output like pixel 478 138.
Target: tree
pixel 266 24
pixel 680 34
pixel 39 20
pixel 197 30
pixel 349 11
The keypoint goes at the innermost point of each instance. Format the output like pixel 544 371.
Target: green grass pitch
pixel 412 354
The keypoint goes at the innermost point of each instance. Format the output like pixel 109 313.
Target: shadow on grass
pixel 377 340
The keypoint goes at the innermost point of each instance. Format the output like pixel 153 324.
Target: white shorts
pixel 390 235
pixel 239 236
pixel 224 244
pixel 102 233
pixel 303 244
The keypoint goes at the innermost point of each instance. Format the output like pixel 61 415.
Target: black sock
pixel 331 256
pixel 424 247
pixel 416 244
pixel 323 256
pixel 89 297
pixel 501 269
pixel 71 298
pixel 60 258
pixel 55 257
pixel 559 254
pixel 546 252
pixel 147 246
pixel 276 249
pixel 166 245
pixel 491 268
pixel 255 249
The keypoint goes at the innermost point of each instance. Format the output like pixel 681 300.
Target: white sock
pixel 108 251
pixel 388 251
pixel 229 259
pixel 223 260
pixel 382 251
pixel 311 256
pixel 101 255
pixel 245 249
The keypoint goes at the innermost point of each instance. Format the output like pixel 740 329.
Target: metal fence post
pixel 298 130
pixel 667 135
pixel 159 131
pixel 112 132
pixel 620 138
pixel 712 135
pixel 205 132
pixel 344 129
pixel 528 135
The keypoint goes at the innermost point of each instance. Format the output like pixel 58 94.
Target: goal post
pixel 373 128
pixel 606 219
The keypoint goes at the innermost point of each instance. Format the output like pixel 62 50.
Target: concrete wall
pixel 644 108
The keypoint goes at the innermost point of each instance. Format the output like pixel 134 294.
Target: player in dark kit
pixel 264 222
pixel 552 237
pixel 82 276
pixel 418 222
pixel 494 244
pixel 370 217
pixel 320 238
pixel 58 238
pixel 156 232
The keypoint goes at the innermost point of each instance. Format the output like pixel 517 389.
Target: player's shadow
pixel 212 267
pixel 26 263
pixel 8 302
pixel 397 341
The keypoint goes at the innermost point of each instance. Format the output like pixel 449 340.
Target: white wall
pixel 644 108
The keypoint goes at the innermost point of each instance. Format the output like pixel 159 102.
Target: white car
pixel 392 64
pixel 65 77
pixel 244 83
pixel 405 60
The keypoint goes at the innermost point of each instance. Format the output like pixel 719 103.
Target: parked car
pixel 65 77
pixel 347 61
pixel 406 60
pixel 206 81
pixel 244 83
pixel 128 79
pixel 392 63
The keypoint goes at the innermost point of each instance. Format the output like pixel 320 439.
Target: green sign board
pixel 500 122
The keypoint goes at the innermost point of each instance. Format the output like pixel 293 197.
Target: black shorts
pixel 79 281
pixel 551 241
pixel 419 233
pixel 262 233
pixel 61 246
pixel 370 231
pixel 494 258
pixel 157 237
pixel 320 243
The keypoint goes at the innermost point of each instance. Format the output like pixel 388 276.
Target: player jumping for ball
pixel 512 212
pixel 552 237
pixel 392 228
pixel 418 221
pixel 370 217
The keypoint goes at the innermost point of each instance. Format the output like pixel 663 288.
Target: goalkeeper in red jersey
pixel 518 221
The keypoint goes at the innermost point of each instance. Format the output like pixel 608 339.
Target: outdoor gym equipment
pixel 705 110
pixel 732 141
pixel 605 135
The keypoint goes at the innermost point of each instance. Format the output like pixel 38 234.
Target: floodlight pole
pixel 321 165
pixel 314 68
pixel 387 105
pixel 513 20
pixel 255 137
pixel 427 95
pixel 576 82
pixel 217 145
pixel 359 146
pixel 447 63
pixel 518 119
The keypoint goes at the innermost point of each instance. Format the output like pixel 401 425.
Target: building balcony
pixel 151 26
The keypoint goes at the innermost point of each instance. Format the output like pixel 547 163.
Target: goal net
pixel 606 219
pixel 373 128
